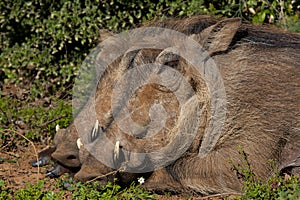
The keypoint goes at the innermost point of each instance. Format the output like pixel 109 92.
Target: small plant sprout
pixel 141 180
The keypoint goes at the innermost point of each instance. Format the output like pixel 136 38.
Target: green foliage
pixel 134 192
pixel 276 187
pixel 47 41
pixel 257 11
pixel 80 191
pixel 4 191
pixel 94 190
pixel 293 23
pixel 37 191
pixel 38 120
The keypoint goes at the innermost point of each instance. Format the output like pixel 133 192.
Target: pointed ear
pixel 59 136
pixel 218 37
pixel 104 34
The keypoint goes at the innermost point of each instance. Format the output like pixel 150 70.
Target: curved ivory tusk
pixel 117 151
pixel 57 127
pixel 79 143
pixel 95 130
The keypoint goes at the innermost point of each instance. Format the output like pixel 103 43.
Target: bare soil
pixel 15 167
pixel 16 170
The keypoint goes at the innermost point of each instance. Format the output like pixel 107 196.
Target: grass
pixel 37 120
pixel 79 191
pixel 279 186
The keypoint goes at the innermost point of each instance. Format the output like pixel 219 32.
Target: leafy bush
pixel 36 191
pixel 46 42
pixel 79 191
pixel 4 191
pixel 279 186
pixel 257 11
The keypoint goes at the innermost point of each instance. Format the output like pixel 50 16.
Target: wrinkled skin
pixel 67 152
pixel 261 73
pixel 64 151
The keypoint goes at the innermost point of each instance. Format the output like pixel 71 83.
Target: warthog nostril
pixel 67 157
pixel 71 157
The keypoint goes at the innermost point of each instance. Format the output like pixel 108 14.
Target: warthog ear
pixel 218 37
pixel 168 55
pixel 128 59
pixel 59 135
pixel 104 34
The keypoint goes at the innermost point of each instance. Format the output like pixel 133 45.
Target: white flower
pixel 141 180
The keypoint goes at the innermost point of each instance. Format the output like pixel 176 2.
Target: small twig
pixel 218 195
pixel 36 154
pixel 49 122
pixel 13 154
pixel 3 147
pixel 104 175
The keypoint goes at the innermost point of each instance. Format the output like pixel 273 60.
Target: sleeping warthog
pixel 260 72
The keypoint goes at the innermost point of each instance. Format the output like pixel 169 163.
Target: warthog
pixel 260 72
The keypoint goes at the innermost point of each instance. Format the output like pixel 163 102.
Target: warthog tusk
pixel 79 143
pixel 117 151
pixel 57 127
pixel 95 130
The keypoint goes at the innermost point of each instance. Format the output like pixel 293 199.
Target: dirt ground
pixel 16 170
pixel 15 167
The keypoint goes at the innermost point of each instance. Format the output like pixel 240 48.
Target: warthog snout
pixel 67 152
pixel 67 157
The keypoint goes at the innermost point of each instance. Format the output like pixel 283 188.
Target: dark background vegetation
pixel 43 43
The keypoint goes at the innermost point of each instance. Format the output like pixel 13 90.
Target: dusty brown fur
pixel 66 152
pixel 261 73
